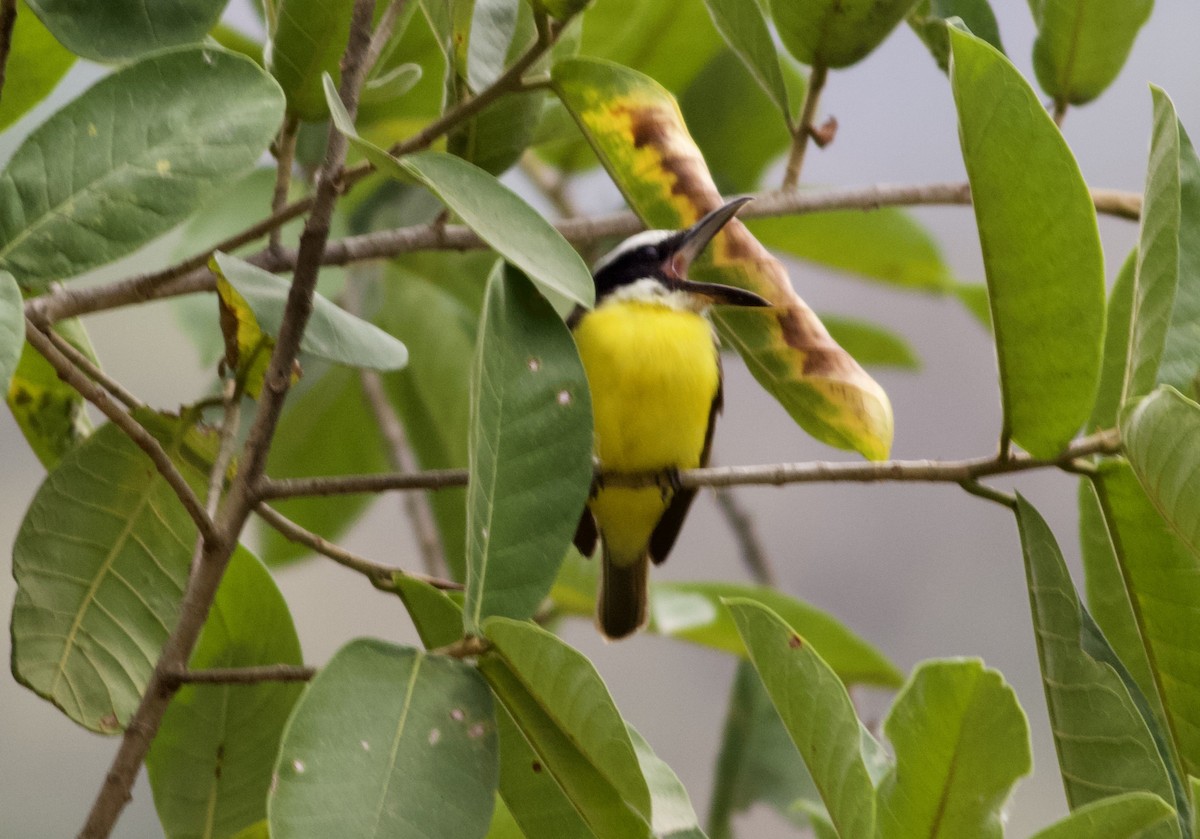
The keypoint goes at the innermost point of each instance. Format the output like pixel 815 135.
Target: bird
pixel 651 359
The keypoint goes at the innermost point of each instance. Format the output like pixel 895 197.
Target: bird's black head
pixel 663 256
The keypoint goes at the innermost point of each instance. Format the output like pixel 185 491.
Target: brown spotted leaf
pixel 638 132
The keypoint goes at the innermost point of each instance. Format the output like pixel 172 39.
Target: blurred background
pixel 919 571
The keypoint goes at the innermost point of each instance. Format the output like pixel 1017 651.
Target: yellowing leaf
pixel 247 348
pixel 637 131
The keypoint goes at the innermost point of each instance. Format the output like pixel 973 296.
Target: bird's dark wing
pixel 668 527
pixel 585 533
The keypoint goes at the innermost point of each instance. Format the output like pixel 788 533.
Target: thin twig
pixel 232 401
pixel 92 371
pixel 551 183
pixel 805 127
pixel 8 22
pixel 749 545
pixel 775 474
pixel 381 576
pixel 242 675
pixel 1060 112
pixel 285 157
pixel 383 32
pixel 72 301
pixel 989 494
pixel 202 585
pixel 99 397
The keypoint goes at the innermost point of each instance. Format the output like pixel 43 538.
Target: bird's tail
pixel 621 601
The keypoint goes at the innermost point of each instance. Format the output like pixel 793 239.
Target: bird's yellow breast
pixel 653 374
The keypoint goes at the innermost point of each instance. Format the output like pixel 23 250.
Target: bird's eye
pixel 648 252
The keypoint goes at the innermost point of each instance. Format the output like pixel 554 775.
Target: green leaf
pixel 129 159
pixel 836 33
pixel 561 706
pixel 36 61
pixel 116 30
pixel 437 618
pixel 258 830
pixel 817 712
pixel 530 451
pixel 1107 598
pixel 380 744
pixel 492 210
pixel 12 327
pixel 211 761
pixel 1130 815
pixel 487 35
pixel 871 344
pixel 1082 44
pixel 1104 744
pixel 1116 347
pixel 50 413
pixel 503 825
pixel 733 122
pixel 1164 337
pixel 693 612
pixel 1161 577
pixel 1162 442
pixel 1041 249
pixel 671 809
pixel 307 40
pixel 757 761
pixel 392 85
pixel 888 245
pixel 928 19
pixel 327 429
pixel 432 394
pixel 961 742
pixel 744 28
pixel 100 563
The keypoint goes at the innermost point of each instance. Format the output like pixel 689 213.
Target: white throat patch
pixel 650 290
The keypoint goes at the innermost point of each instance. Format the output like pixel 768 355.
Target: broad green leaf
pixel 757 761
pixel 547 791
pixel 432 394
pixel 235 40
pixel 1041 249
pixel 1164 336
pixel 672 815
pixel 836 33
pixel 50 413
pixel 744 28
pixel 116 30
pixel 327 429
pixel 488 36
pixel 332 333
pixel 1163 585
pixel 387 741
pixel 1107 598
pixel 693 612
pixel 735 125
pixel 12 327
pixel 962 742
pixel 530 451
pixel 817 712
pixel 1162 442
pixel 496 139
pixel 437 618
pixel 130 158
pixel 928 20
pixel 503 825
pixel 258 830
pixel 888 245
pixel 308 40
pixel 36 61
pixel 1082 44
pixel 100 563
pixel 492 210
pixel 567 716
pixel 211 761
pixel 393 84
pixel 871 344
pixel 1116 347
pixel 636 128
pixel 1130 815
pixel 1104 744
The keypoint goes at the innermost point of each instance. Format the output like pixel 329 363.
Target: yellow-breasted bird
pixel 655 376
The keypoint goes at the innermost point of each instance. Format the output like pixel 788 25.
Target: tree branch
pixel 776 474
pixel 214 556
pixel 95 394
pixel 744 533
pixel 65 302
pixel 242 675
pixel 285 155
pixel 805 128
pixel 381 576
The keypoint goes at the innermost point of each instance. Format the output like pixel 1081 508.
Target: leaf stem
pixel 754 556
pixel 805 127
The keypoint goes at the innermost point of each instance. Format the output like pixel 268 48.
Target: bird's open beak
pixel 692 242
